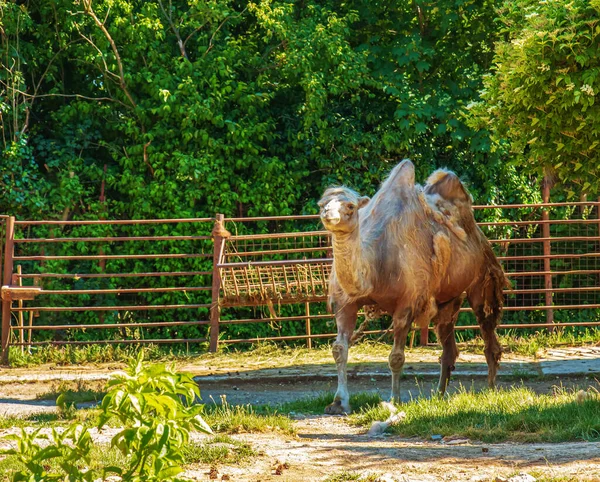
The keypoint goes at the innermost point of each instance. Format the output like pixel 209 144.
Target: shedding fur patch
pixel 443 212
pixel 441 256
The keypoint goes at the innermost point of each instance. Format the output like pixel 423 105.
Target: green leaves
pixel 541 97
pixel 157 409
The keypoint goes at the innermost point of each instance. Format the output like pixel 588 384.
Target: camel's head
pixel 339 209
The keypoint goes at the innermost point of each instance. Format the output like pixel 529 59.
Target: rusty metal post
pixel 9 252
pixel 546 185
pixel 308 328
pixel 219 235
pixel 20 314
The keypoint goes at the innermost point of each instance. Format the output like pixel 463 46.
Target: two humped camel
pixel 413 252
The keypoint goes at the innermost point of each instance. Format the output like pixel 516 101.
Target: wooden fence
pixel 239 280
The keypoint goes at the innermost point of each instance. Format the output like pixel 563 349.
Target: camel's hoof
pixel 336 408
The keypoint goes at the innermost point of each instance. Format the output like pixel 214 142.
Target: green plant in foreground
pixel 154 405
pixel 69 456
pixel 156 408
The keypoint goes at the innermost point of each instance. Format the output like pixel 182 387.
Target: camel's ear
pixel 363 201
pixel 403 174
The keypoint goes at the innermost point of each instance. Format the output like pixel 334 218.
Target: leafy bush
pixel 155 406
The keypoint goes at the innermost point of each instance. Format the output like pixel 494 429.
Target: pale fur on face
pixel 339 207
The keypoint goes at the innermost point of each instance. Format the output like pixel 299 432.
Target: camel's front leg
pixel 402 322
pixel 346 320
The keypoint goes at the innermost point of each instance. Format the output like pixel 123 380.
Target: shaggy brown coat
pixel 412 251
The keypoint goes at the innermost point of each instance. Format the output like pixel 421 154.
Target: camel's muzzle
pixel 331 218
pixel 331 213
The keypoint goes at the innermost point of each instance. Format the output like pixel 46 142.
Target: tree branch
pixel 175 30
pixel 88 10
pixel 210 43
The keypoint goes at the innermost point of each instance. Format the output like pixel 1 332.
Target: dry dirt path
pixel 327 446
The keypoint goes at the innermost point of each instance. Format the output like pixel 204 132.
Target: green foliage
pixel 184 109
pixel 69 448
pixel 155 407
pixel 540 98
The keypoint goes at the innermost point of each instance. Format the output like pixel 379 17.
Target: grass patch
pixel 515 414
pixel 269 355
pixel 80 391
pixel 100 456
pixel 94 354
pixel 317 404
pixel 221 449
pixel 347 476
pixel 533 344
pixel 226 418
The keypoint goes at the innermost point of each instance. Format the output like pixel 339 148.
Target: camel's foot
pixel 337 408
pixel 445 375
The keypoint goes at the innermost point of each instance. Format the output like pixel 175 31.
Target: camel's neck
pixel 349 263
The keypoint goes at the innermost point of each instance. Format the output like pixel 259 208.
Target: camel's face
pixel 339 210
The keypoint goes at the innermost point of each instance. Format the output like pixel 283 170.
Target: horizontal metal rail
pixel 289 262
pixel 113 275
pixel 299 217
pixel 98 257
pixel 111 239
pixel 158 341
pixel 63 309
pixel 539 221
pixel 242 254
pixel 548 256
pixel 540 205
pixel 251 237
pixel 120 291
pixel 557 239
pixel 552 273
pixel 103 326
pixel 95 222
pixel 544 307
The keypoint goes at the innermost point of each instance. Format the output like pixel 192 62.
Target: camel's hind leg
pixel 444 326
pixel 486 298
pixel 402 322
pixel 346 321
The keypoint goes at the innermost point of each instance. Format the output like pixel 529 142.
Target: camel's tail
pixel 494 283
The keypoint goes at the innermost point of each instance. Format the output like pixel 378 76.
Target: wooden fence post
pixel 219 235
pixel 308 327
pixel 546 185
pixel 9 252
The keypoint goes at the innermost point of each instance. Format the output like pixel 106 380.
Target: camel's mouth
pixel 331 220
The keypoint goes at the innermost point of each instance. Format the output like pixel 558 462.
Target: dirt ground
pixel 327 446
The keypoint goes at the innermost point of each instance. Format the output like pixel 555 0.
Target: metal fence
pixel 234 280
